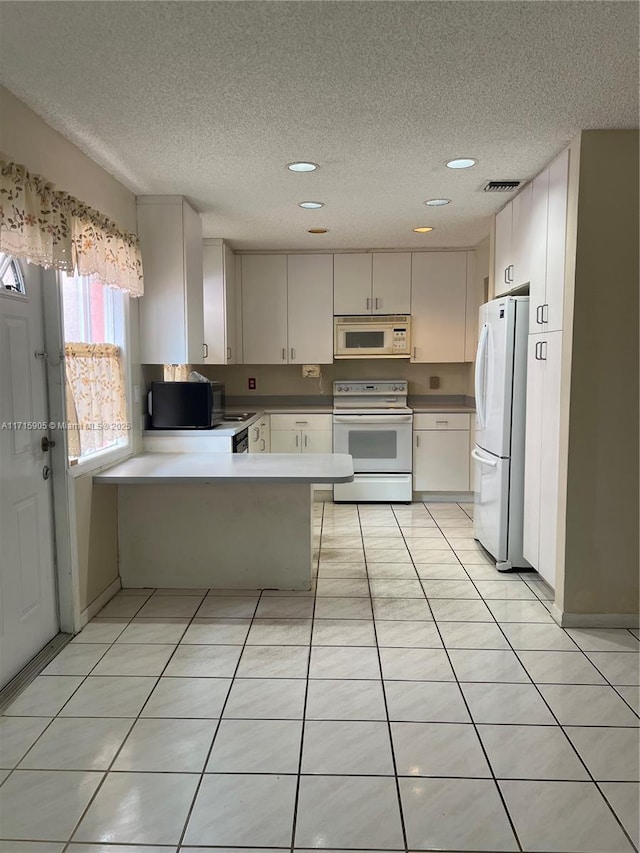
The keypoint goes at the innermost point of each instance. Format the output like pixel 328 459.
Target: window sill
pixel 100 460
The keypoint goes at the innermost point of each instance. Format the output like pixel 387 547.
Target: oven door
pixel 377 443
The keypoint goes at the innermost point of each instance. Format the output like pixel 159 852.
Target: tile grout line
pixel 384 694
pixel 464 699
pixel 560 726
pixel 296 800
pixel 135 720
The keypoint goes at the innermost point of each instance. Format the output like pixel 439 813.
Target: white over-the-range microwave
pixel 372 337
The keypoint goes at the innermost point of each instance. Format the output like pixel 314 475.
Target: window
pixel 94 334
pixel 10 275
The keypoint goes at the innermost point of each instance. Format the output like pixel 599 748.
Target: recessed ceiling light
pixel 423 229
pixel 318 230
pixel 437 202
pixel 302 167
pixel 311 205
pixel 461 163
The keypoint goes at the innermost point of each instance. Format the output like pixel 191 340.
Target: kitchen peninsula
pixel 218 520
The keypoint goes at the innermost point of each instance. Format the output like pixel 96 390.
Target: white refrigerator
pixel 500 389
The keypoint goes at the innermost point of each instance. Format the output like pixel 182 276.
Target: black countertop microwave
pixel 185 405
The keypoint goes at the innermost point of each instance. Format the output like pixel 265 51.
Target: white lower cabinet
pixel 441 452
pixel 541 466
pixel 259 436
pixel 301 433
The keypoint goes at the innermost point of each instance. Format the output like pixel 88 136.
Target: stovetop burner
pixel 237 419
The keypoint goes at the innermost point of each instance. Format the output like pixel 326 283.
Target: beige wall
pixel 601 561
pixel 28 139
pixel 275 379
pixel 97 538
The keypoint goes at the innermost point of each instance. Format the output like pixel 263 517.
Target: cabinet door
pixel 231 347
pixel 219 302
pixel 438 306
pixel 286 441
pixel 192 226
pixel 521 237
pixel 310 309
pixel 317 441
pixel 163 319
pixel 551 352
pixel 532 451
pixel 538 250
pixel 475 298
pixel 441 461
pixel 352 284
pixel 264 309
pixel 502 251
pixel 556 237
pixel 392 283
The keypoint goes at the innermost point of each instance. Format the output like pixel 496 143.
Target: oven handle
pixel 372 419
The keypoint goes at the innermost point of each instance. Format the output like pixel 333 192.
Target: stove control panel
pixel 361 387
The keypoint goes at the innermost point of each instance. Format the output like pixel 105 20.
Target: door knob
pixel 46 443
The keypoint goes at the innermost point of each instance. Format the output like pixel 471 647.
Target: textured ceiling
pixel 212 99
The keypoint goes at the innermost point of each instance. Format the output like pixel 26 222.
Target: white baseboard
pixel 594 620
pixel 444 497
pixel 98 603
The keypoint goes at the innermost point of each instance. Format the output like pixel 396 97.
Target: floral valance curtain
pixel 53 229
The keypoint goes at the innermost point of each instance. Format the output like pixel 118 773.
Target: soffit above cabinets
pixel 212 100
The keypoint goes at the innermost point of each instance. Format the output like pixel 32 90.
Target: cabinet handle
pixel 205 350
pixel 414 353
pixel 506 280
pixel 302 423
pixel 378 303
pixel 256 433
pixel 536 351
pixel 442 422
pixel 228 353
pixel 417 440
pixel 305 440
pixel 264 445
pixel 539 314
pixel 543 350
pixel 545 312
pixel 284 353
pixel 293 354
pixel 297 440
pixel 511 273
pixel 368 303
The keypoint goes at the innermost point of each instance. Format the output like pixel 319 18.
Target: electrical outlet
pixel 434 382
pixel 311 371
pixel 251 383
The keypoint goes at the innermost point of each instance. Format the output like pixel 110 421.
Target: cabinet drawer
pixel 302 421
pixel 444 420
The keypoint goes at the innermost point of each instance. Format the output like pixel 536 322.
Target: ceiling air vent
pixel 500 186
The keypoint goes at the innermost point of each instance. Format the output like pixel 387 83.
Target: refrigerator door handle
pixel 492 463
pixel 480 374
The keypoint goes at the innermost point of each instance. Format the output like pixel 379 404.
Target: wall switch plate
pixel 311 371
pixel 434 382
pixel 251 383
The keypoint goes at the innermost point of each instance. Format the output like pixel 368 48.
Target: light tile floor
pixel 418 700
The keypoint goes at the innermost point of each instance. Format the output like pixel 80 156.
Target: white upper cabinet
pixel 372 283
pixel 391 292
pixel 264 309
pixel 512 243
pixel 310 309
pixel 502 251
pixel 171 310
pixel 219 299
pixel 438 306
pixel 287 309
pixel 539 205
pixel 352 278
pixel 556 238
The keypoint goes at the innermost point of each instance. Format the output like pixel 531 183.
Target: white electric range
pixel 372 422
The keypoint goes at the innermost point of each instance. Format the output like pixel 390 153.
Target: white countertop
pixel 437 410
pixel 236 467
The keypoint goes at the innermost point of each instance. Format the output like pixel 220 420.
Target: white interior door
pixel 28 597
